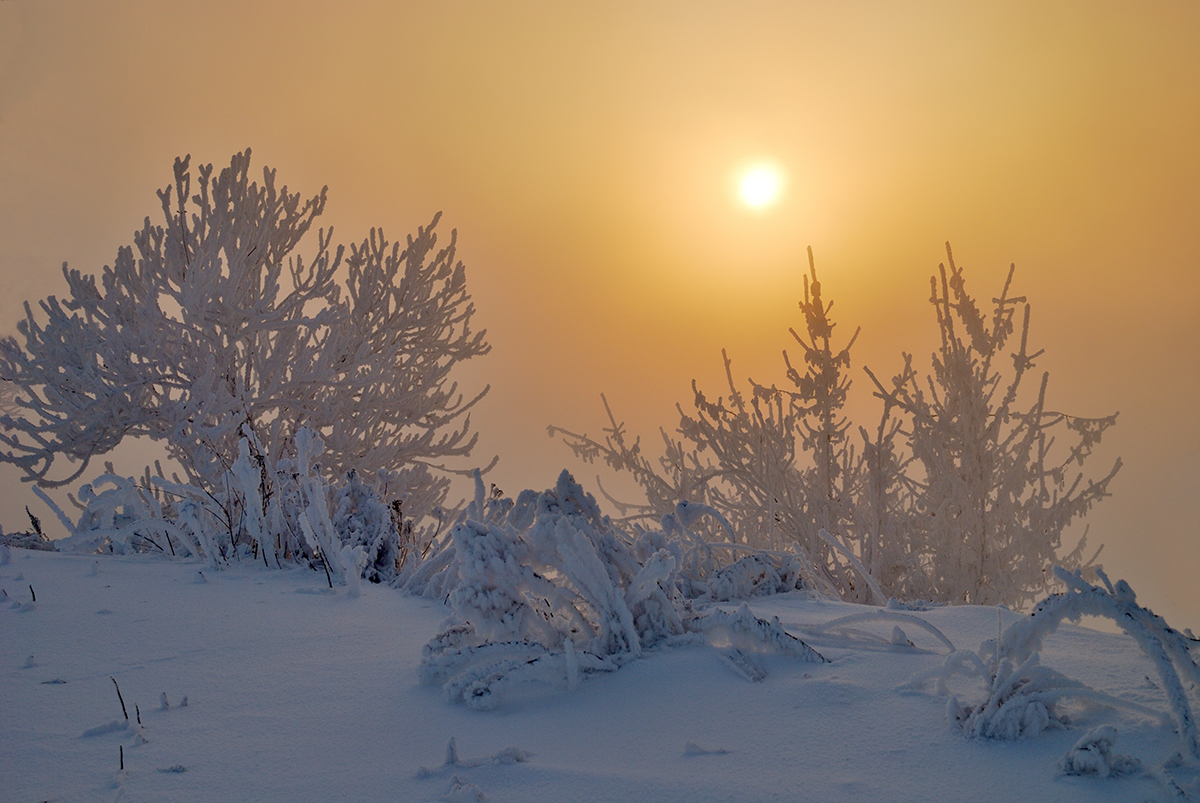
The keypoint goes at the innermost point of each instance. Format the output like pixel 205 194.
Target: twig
pixel 138 712
pixel 324 565
pixel 119 697
pixel 32 594
pixel 121 753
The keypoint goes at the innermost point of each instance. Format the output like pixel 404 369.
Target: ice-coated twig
pixel 879 598
pixel 886 616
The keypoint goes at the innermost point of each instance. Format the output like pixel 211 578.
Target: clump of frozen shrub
pixel 212 335
pixel 33 538
pixel 120 516
pixel 345 529
pixel 1023 698
pixel 363 521
pixel 956 495
pixel 1022 702
pixel 1094 756
pixel 1168 649
pixel 546 589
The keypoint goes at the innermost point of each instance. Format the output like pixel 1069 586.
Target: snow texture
pixel 317 697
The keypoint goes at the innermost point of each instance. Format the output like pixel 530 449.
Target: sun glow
pixel 760 186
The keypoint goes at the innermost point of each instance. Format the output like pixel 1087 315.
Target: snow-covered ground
pixel 295 692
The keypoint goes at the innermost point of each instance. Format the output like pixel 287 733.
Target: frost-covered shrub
pixel 277 513
pixel 120 516
pixel 1094 756
pixel 212 331
pixel 1169 650
pixel 957 495
pixel 1022 698
pixel 362 519
pixel 546 589
pixel 991 498
pixel 753 575
pixel 1022 702
pixel 774 462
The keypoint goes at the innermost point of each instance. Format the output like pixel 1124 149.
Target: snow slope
pixel 297 693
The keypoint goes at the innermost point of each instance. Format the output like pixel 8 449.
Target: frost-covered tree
pixel 991 497
pixel 775 462
pixel 879 505
pixel 959 494
pixel 212 333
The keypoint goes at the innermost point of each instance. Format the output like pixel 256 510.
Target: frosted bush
pixel 343 529
pixel 1023 698
pixel 547 590
pixel 751 576
pixel 120 517
pixel 363 521
pixel 1094 756
pixel 990 497
pixel 212 335
pixel 774 463
pixel 959 494
pixel 1168 649
pixel 1022 702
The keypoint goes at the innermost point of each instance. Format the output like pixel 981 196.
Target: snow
pixel 297 692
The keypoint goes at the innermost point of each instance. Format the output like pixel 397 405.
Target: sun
pixel 760 186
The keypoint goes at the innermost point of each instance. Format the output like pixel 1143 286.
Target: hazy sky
pixel 586 154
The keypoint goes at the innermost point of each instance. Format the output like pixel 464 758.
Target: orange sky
pixel 584 153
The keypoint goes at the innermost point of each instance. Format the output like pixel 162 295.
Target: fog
pixel 586 155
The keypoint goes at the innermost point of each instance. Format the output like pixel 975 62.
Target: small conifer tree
pixel 775 462
pixel 991 500
pixel 958 495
